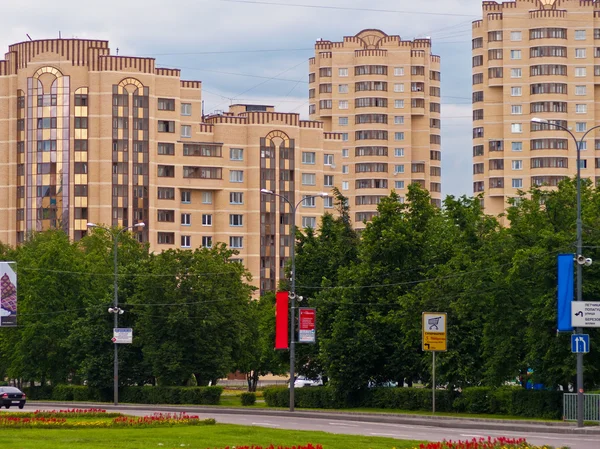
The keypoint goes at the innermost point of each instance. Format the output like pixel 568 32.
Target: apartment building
pixel 533 59
pixel 383 95
pixel 92 137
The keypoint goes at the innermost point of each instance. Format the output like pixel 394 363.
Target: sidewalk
pixel 391 418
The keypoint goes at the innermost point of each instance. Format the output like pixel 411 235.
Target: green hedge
pixel 172 395
pixel 512 401
pixel 248 398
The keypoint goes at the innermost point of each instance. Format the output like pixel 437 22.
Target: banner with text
pixel 8 294
pixel 307 327
pixel 565 291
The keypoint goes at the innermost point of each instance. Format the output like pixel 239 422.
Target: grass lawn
pixel 196 437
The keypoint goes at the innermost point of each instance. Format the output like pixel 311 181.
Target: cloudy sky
pixel 257 51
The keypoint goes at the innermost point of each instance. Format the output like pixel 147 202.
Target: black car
pixel 11 395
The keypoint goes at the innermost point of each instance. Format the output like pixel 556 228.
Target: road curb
pixel 415 420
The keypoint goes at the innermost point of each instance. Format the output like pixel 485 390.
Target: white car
pixel 303 381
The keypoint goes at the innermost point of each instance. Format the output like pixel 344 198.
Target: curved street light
pixel 578 146
pixel 293 208
pixel 115 310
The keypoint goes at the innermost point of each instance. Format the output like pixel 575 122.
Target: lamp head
pixel 270 192
pixel 539 120
pixel 92 225
pixel 139 225
pixel 324 194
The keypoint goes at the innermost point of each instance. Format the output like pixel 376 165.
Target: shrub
pixel 277 397
pixel 476 400
pixel 172 395
pixel 71 393
pixel 38 393
pixel 248 398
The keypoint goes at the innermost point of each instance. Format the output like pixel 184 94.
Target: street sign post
pixel 123 335
pixel 580 343
pixel 585 314
pixel 434 339
pixel 434 331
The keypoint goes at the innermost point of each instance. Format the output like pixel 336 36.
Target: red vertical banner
pixel 281 320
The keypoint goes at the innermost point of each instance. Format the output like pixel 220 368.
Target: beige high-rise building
pixel 87 136
pixel 533 59
pixel 383 95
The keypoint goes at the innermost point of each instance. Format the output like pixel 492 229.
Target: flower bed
pixel 483 443
pixel 80 418
pixel 308 446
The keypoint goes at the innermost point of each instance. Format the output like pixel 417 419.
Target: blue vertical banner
pixel 565 291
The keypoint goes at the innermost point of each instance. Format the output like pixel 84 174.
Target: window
pixel 344 169
pixel 580 52
pixel 579 35
pixel 325 104
pixel 343 72
pixel 206 220
pixel 309 222
pixel 478 78
pixel 399 152
pixel 477 132
pixel 399 136
pixel 398 71
pixel 515 54
pixel 328 159
pixel 166 171
pixel 399 168
pixel 581 108
pixel 203 172
pixel 207 197
pixel 166 104
pixel 166 193
pixel 236 176
pixel 583 163
pixel 516 109
pixel 343 121
pixel 186 109
pixel 345 152
pixel 345 137
pixel 580 90
pixel 206 241
pixel 308 201
pixel 517 165
pixel 166 238
pixel 166 126
pixel 328 181
pixel 399 104
pixel 580 127
pixel 344 185
pixel 343 104
pixel 325 72
pixel 166 149
pixel 343 88
pixel 398 87
pixel 517 146
pixel 236 198
pixel 236 242
pixel 308 179
pixel 516 73
pixel 186 219
pixel 477 43
pixel 308 157
pixel 515 36
pixel 328 202
pixel 516 128
pixel 236 220
pixel 515 91
pixel 186 131
pixel 517 183
pixel 399 184
pixel 186 196
pixel 399 120
pixel 494 36
pixel 202 150
pixel 580 71
pixel 236 154
pixel 477 60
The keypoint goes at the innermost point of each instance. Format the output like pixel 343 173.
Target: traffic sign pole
pixel 433 380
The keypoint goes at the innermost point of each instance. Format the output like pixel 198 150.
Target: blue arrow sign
pixel 580 343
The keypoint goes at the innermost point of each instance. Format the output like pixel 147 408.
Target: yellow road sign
pixel 434 331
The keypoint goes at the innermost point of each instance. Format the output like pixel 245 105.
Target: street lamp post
pixel 115 310
pixel 578 146
pixel 293 208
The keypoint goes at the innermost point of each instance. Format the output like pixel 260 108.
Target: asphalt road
pixel 460 431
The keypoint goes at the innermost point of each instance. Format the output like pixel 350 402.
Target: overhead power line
pixel 347 8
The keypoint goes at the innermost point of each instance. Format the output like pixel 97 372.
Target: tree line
pixel 194 319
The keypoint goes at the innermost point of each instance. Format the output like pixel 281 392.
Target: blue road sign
pixel 580 343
